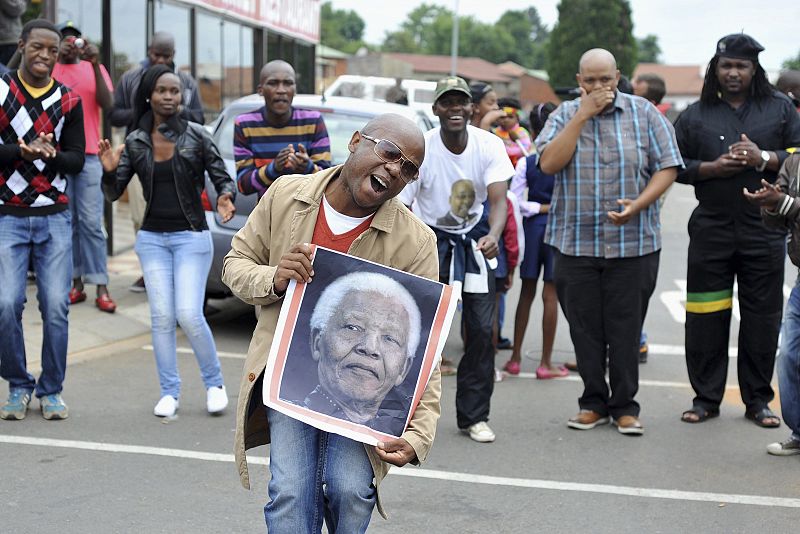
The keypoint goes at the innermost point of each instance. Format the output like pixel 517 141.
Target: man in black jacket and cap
pixel 732 138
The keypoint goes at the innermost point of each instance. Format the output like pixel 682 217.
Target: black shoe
pixel 138 286
pixel 504 344
pixel 643 353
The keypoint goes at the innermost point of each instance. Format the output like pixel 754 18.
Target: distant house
pixel 330 64
pixel 684 82
pixel 508 79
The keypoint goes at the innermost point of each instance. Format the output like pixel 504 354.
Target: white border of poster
pixel 290 353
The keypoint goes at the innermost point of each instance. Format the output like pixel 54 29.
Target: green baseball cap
pixel 451 83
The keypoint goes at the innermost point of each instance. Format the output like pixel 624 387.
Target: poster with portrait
pixel 354 349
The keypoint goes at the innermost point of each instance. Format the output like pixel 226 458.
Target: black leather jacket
pixel 195 153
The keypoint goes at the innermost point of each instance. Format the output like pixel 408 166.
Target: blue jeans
pixel 316 475
pixel 47 239
pixel 789 363
pixel 175 266
pixel 88 240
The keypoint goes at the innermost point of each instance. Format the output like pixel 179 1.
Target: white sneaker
pixel 216 399
pixel 480 432
pixel 166 407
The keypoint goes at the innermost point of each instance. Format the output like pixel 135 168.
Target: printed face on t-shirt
pixel 462 197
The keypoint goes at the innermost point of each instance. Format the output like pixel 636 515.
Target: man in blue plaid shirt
pixel 613 156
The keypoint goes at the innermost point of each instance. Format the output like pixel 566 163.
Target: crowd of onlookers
pixel 569 194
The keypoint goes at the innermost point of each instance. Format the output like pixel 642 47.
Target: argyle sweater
pixel 37 187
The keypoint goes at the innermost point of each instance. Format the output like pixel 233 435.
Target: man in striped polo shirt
pixel 613 156
pixel 278 139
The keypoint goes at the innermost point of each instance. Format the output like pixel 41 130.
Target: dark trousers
pixel 754 255
pixel 605 301
pixel 475 377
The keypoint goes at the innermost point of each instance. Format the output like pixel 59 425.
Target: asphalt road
pixel 114 467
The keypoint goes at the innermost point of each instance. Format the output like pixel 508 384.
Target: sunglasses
pixel 391 153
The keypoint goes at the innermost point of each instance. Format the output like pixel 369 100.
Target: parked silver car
pixel 342 115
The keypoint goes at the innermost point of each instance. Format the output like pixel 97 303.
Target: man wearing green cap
pixel 456 154
pixel 731 139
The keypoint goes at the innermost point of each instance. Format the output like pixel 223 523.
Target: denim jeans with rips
pixel 316 476
pixel 47 240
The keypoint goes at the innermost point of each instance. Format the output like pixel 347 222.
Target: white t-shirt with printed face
pixel 452 188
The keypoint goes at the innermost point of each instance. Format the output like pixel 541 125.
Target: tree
pixel 341 29
pixel 529 37
pixel 517 36
pixel 792 63
pixel 586 24
pixel 649 51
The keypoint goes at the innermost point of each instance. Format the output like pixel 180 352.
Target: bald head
pixel 275 66
pixel 597 71
pixel 161 49
pixel 401 131
pixel 597 57
pixel 789 82
pixel 277 86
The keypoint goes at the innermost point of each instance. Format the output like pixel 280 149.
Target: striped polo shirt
pixel 618 151
pixel 256 143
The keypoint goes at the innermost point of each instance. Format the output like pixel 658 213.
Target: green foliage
pixel 586 24
pixel 648 49
pixel 341 29
pixel 792 63
pixel 517 36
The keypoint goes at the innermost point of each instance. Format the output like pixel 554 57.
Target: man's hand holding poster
pixel 354 349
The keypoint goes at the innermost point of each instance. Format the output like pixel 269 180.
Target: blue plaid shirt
pixel 618 152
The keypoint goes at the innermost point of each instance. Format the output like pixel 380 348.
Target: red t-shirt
pixel 80 78
pixel 324 236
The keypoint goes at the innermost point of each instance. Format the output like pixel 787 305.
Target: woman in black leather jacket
pixel 170 156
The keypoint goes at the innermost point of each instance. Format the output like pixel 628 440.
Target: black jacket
pixel 195 154
pixel 121 114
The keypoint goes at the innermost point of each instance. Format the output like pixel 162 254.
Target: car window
pixel 340 125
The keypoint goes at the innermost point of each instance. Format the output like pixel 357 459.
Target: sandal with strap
pixel 702 414
pixel 760 418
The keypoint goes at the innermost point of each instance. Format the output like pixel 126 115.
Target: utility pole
pixel 454 42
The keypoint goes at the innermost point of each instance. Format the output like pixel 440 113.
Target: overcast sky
pixel 687 30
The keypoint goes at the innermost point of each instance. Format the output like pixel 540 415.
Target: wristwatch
pixel 764 161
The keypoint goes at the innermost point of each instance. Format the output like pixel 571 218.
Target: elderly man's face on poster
pixel 363 350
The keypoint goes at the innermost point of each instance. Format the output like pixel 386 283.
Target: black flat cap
pixel 739 46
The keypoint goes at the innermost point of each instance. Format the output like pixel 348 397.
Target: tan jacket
pixel 286 215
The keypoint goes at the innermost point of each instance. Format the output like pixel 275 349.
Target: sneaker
pixel 587 420
pixel 53 407
pixel 16 406
pixel 504 343
pixel 629 425
pixel 216 400
pixel 480 432
pixel 785 448
pixel 499 375
pixel 166 407
pixel 138 286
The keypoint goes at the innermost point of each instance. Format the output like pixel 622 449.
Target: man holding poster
pixel 350 208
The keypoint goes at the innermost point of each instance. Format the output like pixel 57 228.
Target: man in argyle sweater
pixel 41 140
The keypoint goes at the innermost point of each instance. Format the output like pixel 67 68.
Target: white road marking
pixel 661 349
pixel 220 353
pixel 642 381
pixel 469 478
